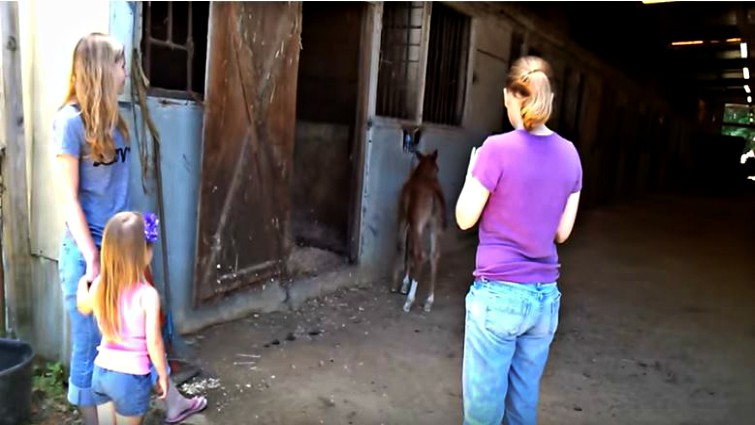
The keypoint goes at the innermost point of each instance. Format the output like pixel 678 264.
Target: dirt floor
pixel 656 328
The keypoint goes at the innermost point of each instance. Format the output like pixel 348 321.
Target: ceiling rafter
pixel 640 43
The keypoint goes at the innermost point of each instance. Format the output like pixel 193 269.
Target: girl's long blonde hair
pixel 92 85
pixel 123 260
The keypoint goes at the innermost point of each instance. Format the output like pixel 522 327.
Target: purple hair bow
pixel 151 230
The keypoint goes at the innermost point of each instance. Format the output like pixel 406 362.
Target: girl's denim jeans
pixel 85 336
pixel 508 332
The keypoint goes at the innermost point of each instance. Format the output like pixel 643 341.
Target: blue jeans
pixel 85 335
pixel 508 332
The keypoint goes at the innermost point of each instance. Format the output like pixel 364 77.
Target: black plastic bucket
pixel 15 381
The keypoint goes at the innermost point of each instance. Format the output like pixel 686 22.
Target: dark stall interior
pixel 326 111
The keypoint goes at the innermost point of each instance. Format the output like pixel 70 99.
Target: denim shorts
pixel 129 393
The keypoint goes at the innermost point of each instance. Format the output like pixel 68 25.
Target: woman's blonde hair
pixel 123 260
pixel 93 87
pixel 529 80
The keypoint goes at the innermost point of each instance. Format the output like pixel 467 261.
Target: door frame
pixel 369 52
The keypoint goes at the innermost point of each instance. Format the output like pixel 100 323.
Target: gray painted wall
pixel 180 127
pixel 386 169
pixel 387 166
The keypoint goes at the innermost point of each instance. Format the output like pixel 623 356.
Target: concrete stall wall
pixel 387 165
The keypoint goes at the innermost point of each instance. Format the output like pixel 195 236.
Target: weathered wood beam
pixel 723 83
pixel 15 214
pixel 746 24
pixel 725 97
pixel 728 91
pixel 707 51
pixel 719 33
pixel 706 66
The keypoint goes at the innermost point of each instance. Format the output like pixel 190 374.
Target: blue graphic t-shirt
pixel 103 187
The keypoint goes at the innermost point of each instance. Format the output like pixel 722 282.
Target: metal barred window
pixel 447 55
pixel 400 54
pixel 174 46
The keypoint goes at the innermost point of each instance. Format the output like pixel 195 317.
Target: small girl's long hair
pixel 93 87
pixel 529 79
pixel 123 260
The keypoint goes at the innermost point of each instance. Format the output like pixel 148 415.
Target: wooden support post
pixel 422 72
pixel 15 214
pixel 3 327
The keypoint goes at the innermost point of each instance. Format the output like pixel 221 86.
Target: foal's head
pixel 427 167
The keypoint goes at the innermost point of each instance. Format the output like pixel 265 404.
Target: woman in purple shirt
pixel 523 187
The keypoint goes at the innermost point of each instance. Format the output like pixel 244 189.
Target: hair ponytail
pixel 537 107
pixel 529 79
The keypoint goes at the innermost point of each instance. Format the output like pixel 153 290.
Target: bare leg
pixel 105 413
pixel 89 414
pixel 128 420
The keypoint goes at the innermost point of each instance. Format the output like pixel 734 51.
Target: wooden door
pixel 250 111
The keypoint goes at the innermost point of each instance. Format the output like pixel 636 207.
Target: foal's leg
pixel 400 264
pixel 415 242
pixel 405 283
pixel 434 259
pixel 412 292
pixel 407 256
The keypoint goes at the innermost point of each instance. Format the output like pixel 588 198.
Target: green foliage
pixel 741 116
pixel 50 379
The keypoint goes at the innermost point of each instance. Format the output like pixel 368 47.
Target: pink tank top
pixel 130 355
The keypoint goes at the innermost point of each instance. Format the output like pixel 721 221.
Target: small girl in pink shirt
pixel 127 310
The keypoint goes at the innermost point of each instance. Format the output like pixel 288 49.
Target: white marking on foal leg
pixel 429 302
pixel 410 297
pixel 405 285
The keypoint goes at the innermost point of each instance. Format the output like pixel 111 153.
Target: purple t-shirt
pixel 529 178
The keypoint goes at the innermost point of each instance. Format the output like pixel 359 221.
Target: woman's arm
pixel 567 218
pixel 471 202
pixel 68 178
pixel 155 346
pixel 84 295
pixel 472 199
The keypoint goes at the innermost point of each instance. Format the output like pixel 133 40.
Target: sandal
pixel 197 405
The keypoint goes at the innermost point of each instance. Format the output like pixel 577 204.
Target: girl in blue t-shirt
pixel 90 139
